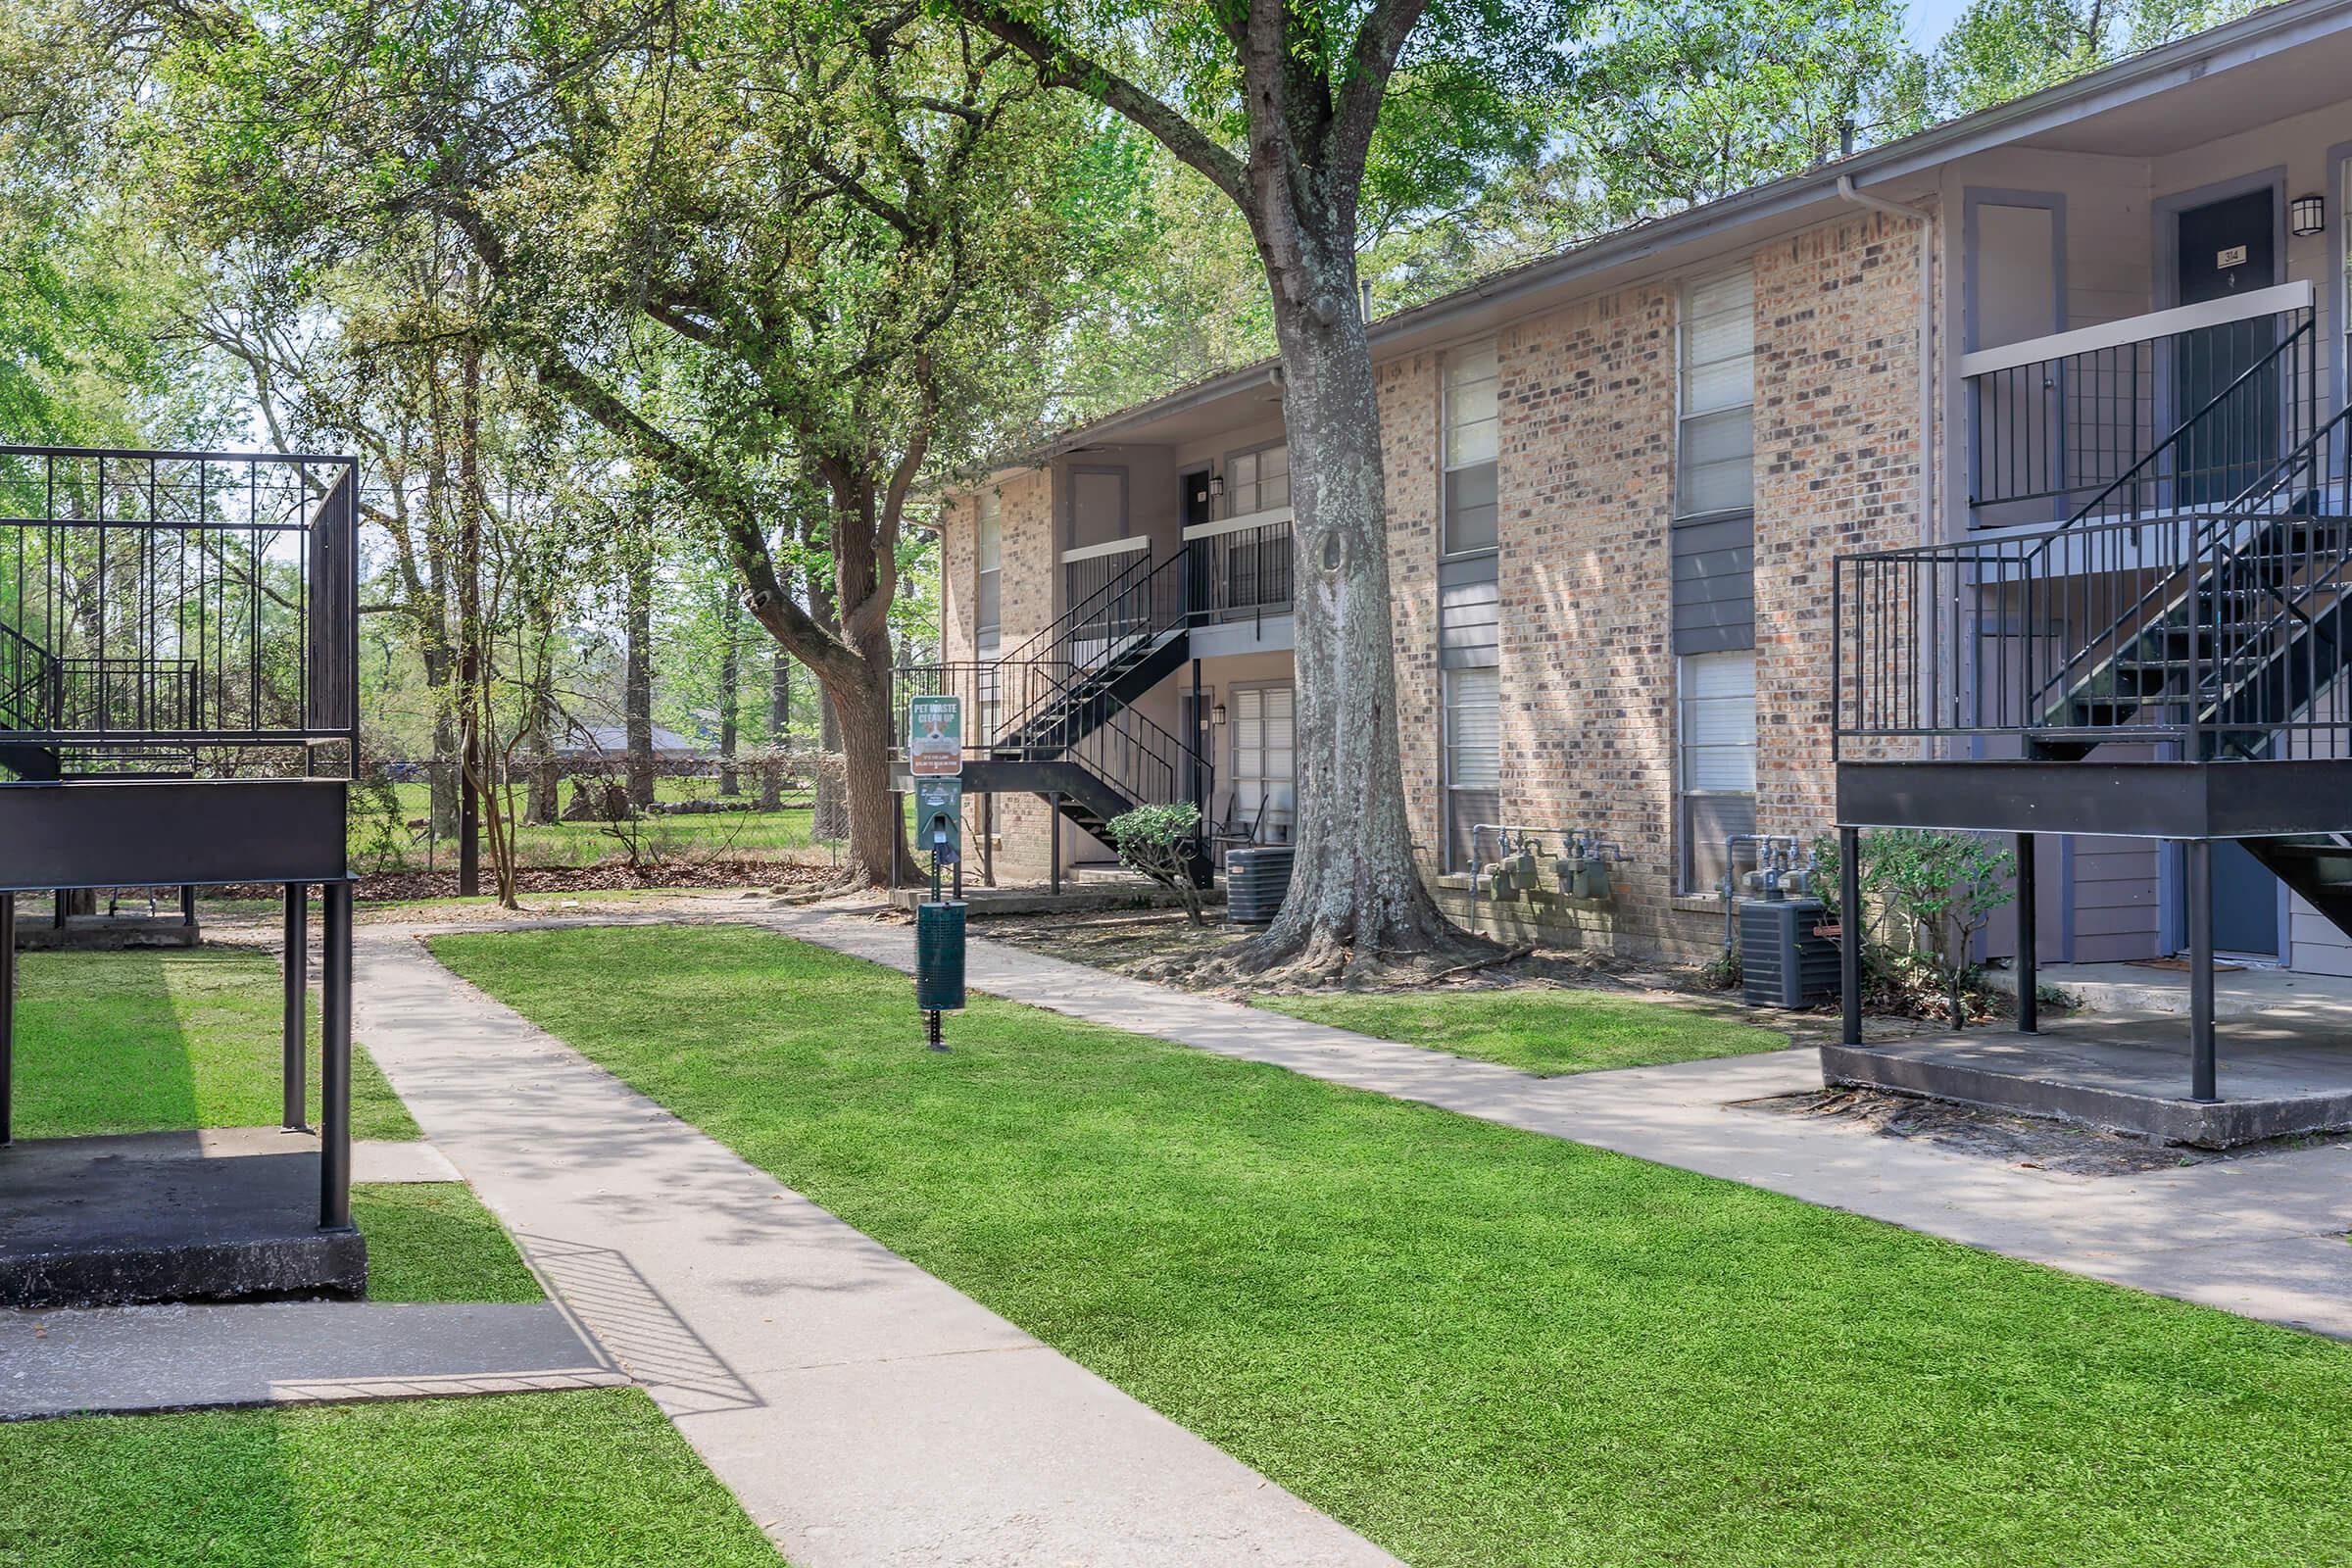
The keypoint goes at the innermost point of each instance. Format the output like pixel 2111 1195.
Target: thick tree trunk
pixel 637 681
pixel 1356 895
pixel 730 682
pixel 779 730
pixel 862 711
pixel 832 817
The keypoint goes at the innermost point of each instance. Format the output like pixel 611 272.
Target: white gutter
pixel 1931 436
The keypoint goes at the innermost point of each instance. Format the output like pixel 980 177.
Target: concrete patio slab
pixel 168 1217
pixel 121 1359
pixel 864 1411
pixel 2285 1072
pixel 2143 987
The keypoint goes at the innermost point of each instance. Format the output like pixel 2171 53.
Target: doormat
pixel 2182 964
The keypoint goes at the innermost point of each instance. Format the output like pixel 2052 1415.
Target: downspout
pixel 1930 440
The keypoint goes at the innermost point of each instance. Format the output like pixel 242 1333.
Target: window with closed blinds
pixel 1717 699
pixel 1473 439
pixel 1257 481
pixel 1266 759
pixel 1473 757
pixel 1717 446
pixel 989 599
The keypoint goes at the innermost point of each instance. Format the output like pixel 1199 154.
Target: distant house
pixel 592 743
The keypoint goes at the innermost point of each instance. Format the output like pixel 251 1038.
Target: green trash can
pixel 939 956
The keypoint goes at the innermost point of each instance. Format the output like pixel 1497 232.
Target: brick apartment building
pixel 1621 480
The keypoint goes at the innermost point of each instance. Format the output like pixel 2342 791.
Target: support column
pixel 187 906
pixel 295 1028
pixel 2197 857
pixel 335 1062
pixel 1054 840
pixel 8 1016
pixel 2028 984
pixel 1850 931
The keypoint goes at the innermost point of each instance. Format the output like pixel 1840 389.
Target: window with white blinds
pixel 1716 452
pixel 1717 699
pixel 989 600
pixel 1473 757
pixel 1473 439
pixel 1257 481
pixel 1265 758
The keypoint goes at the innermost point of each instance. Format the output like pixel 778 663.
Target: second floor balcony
pixel 1235 570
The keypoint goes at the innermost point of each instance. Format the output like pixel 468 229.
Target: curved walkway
pixel 862 1411
pixel 2263 1238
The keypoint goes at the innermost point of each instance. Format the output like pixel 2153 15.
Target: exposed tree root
pixel 1320 961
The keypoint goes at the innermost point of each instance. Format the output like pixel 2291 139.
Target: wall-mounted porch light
pixel 1216 715
pixel 2308 215
pixel 1217 486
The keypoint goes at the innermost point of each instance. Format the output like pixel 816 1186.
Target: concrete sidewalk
pixel 862 1411
pixel 2262 1238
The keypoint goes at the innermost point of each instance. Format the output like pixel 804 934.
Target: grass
pixel 435 1242
pixel 717 835
pixel 1548 1033
pixel 152 1040
pixel 595 1478
pixel 1476 1344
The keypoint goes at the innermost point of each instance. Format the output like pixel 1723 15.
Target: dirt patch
pixel 2028 1142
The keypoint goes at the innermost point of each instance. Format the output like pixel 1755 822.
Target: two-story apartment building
pixel 1619 482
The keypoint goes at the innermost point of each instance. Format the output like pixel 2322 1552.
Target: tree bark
pixel 730 682
pixel 779 730
pixel 637 679
pixel 472 668
pixel 1357 895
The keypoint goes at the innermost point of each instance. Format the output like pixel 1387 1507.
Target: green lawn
pixel 1476 1344
pixel 1548 1033
pixel 595 1478
pixel 719 835
pixel 156 1039
pixel 435 1242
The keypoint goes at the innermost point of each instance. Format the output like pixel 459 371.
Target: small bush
pixel 1162 842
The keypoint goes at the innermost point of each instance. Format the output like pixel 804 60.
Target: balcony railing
pixel 1239 570
pixel 2168 411
pixel 1092 571
pixel 196 599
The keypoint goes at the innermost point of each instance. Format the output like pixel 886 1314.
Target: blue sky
pixel 1926 21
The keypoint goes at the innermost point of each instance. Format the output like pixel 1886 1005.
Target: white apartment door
pixel 1265 761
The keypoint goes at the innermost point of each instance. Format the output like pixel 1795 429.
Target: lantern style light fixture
pixel 1217 485
pixel 2308 215
pixel 1216 715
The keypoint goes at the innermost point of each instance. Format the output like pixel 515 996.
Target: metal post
pixel 187 906
pixel 897 815
pixel 295 1027
pixel 335 1062
pixel 2028 984
pixel 8 1015
pixel 2198 856
pixel 988 841
pixel 1053 840
pixel 1850 931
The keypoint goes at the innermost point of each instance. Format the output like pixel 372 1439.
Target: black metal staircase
pixel 1057 717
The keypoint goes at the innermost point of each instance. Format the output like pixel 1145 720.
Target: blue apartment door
pixel 2245 904
pixel 2226 248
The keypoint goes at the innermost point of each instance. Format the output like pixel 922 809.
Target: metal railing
pixel 1239 573
pixel 2216 630
pixel 204 599
pixel 2092 425
pixel 1124 748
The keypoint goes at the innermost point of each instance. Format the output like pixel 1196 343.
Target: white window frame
pixel 1685 702
pixel 1256 494
pixel 1485 447
pixel 1449 751
pixel 1286 809
pixel 988 516
pixel 1688 318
